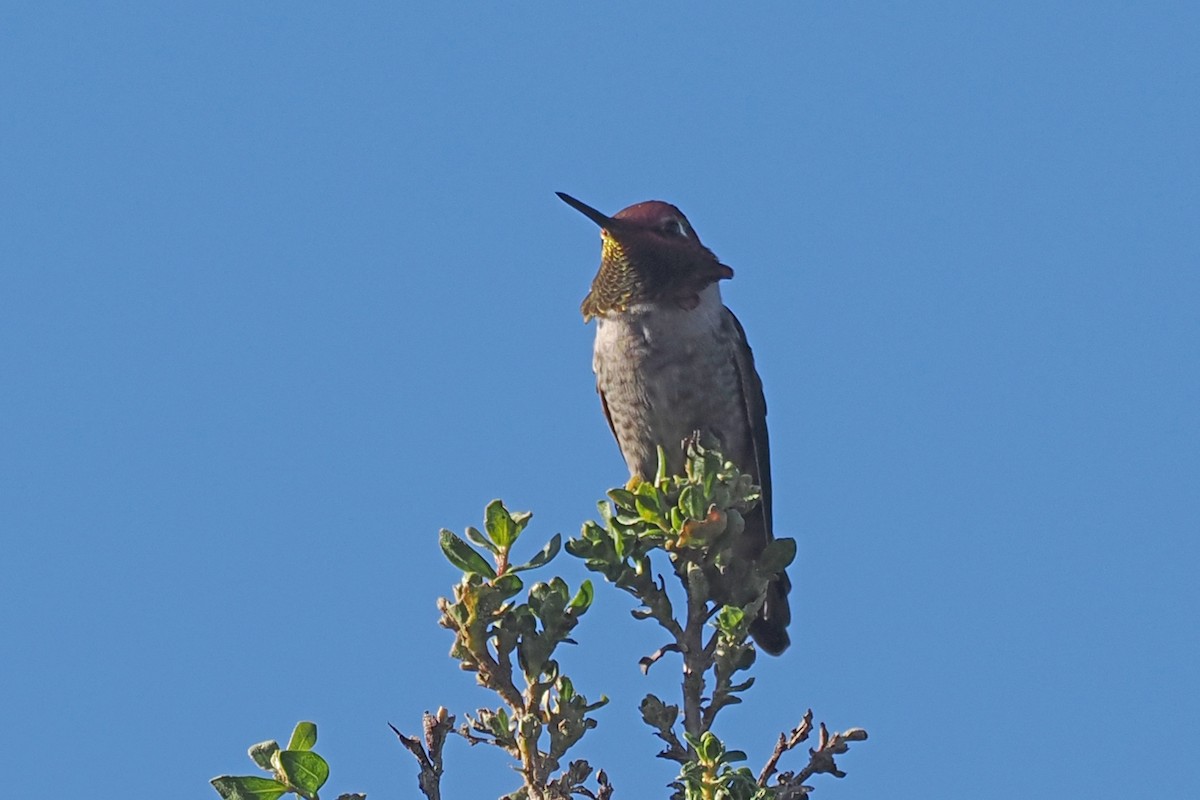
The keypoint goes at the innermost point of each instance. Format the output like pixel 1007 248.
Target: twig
pixel 696 660
pixel 606 790
pixel 821 759
pixel 653 595
pixel 785 743
pixel 429 756
pixel 675 750
pixel 648 661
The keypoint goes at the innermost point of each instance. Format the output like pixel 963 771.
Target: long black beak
pixel 595 216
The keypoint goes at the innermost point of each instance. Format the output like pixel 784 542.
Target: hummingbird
pixel 671 360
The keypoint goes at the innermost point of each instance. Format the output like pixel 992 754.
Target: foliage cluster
pixel 510 643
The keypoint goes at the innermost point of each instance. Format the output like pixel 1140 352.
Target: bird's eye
pixel 674 227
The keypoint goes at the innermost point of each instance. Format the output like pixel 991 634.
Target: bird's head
pixel 648 253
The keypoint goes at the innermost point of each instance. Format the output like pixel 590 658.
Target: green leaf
pixel 304 769
pixel 582 599
pixel 649 510
pixel 658 714
pixel 508 585
pixel 646 489
pixel 521 518
pixel 248 787
pixel 621 544
pixel 303 737
pixel 729 618
pixel 711 748
pixel 478 538
pixel 623 498
pixel 708 476
pixel 628 521
pixel 691 503
pixel 544 557
pixel 776 556
pixel 501 527
pixel 263 752
pixel 559 590
pixel 463 556
pixel 660 474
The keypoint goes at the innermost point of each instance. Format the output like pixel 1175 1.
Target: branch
pixel 696 658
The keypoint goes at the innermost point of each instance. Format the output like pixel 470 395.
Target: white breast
pixel 657 366
pixel 645 327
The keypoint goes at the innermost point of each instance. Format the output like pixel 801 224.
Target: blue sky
pixel 285 288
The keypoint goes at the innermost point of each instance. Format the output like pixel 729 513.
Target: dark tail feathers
pixel 770 629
